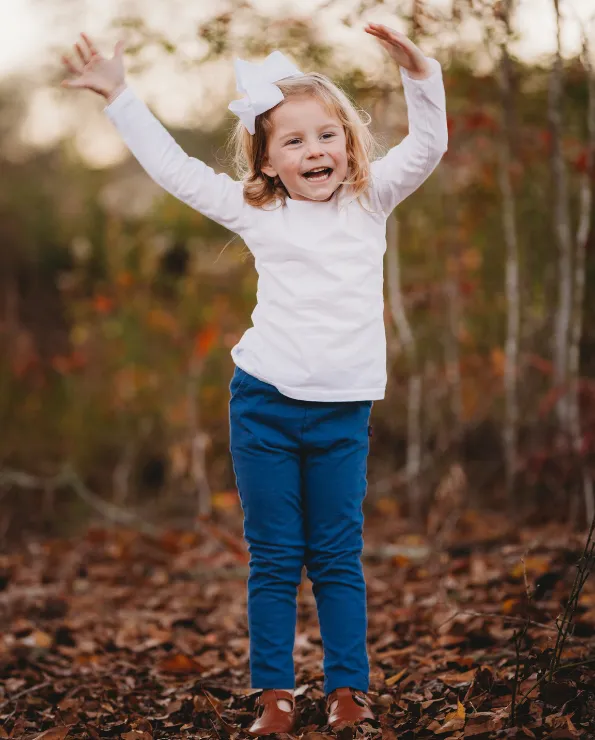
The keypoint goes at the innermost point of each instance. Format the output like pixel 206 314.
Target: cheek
pixel 341 152
pixel 342 158
pixel 288 165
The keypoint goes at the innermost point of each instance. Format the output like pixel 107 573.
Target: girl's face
pixel 306 137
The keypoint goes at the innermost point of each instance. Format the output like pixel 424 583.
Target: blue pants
pixel 300 468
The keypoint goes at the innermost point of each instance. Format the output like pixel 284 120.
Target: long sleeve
pixel 217 196
pixel 405 167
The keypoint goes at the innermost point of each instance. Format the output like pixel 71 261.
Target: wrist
pixel 111 95
pixel 423 71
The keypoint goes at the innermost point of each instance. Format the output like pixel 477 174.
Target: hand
pixel 405 53
pixel 95 72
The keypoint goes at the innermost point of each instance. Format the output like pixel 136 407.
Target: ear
pixel 267 169
pixel 270 171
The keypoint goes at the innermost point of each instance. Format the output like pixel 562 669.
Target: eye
pixel 294 141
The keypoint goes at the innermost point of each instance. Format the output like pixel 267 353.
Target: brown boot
pixel 273 718
pixel 345 706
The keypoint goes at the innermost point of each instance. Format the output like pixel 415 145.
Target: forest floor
pixel 118 634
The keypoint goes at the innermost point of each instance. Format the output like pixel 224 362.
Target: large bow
pixel 256 82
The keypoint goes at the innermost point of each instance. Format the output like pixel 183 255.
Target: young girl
pixel 312 208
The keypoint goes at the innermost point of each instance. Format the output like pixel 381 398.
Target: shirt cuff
pixel 435 69
pixel 124 97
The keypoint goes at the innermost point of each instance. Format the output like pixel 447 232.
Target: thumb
pixel 119 50
pixel 72 83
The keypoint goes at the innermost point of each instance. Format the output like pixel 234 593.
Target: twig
pixel 560 668
pixel 518 620
pixel 583 571
pixel 518 638
pixel 30 690
pixel 69 478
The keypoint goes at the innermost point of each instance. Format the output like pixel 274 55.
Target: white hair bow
pixel 256 81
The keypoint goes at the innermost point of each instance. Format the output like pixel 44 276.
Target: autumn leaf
pixel 509 606
pixel 396 678
pixel 38 639
pixel 471 259
pixel 161 320
pixel 54 733
pixel 102 304
pixel 535 565
pixel 225 500
pixel 205 339
pixel 498 360
pixel 124 279
pixel 181 664
pixel 454 720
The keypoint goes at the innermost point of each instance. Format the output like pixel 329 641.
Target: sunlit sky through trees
pixel 31 32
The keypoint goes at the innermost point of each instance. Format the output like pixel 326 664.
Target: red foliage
pixel 467 287
pixel 65 364
pixel 540 363
pixel 545 139
pixel 102 303
pixel 580 162
pixel 205 339
pixel 480 120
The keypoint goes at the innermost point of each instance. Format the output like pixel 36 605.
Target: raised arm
pixel 217 196
pixel 406 166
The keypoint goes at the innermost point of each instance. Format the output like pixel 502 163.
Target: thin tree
pixel 414 395
pixel 561 212
pixel 582 236
pixel 510 432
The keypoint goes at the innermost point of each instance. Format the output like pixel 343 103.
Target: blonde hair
pixel 249 151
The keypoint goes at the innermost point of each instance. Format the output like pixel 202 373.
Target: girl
pixel 312 208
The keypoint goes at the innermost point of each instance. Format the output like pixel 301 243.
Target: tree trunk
pixel 395 299
pixel 576 329
pixel 562 234
pixel 199 441
pixel 452 348
pixel 510 433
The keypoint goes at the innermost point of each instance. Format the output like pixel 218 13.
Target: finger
pixel 386 45
pixel 376 27
pixel 72 83
pixel 382 27
pixel 91 46
pixel 119 49
pixel 394 41
pixel 379 32
pixel 379 35
pixel 70 65
pixel 83 54
pixel 390 33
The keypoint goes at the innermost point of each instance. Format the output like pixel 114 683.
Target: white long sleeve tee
pixel 317 329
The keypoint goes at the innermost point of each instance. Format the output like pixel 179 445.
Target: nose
pixel 315 148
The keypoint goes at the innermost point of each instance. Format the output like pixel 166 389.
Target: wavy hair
pixel 249 151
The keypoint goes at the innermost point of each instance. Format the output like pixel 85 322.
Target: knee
pixel 339 565
pixel 269 563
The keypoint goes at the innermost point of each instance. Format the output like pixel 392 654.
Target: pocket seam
pixel 241 383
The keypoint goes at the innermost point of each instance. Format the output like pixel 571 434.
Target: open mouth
pixel 318 174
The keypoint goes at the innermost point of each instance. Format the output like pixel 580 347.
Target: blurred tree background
pixel 119 305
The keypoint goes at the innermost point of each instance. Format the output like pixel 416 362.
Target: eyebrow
pixel 329 124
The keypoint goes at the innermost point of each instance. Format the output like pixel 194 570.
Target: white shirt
pixel 317 330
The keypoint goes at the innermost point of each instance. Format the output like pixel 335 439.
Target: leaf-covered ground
pixel 115 634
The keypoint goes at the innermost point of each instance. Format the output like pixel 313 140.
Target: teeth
pixel 319 169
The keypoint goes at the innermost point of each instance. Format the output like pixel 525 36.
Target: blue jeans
pixel 300 468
